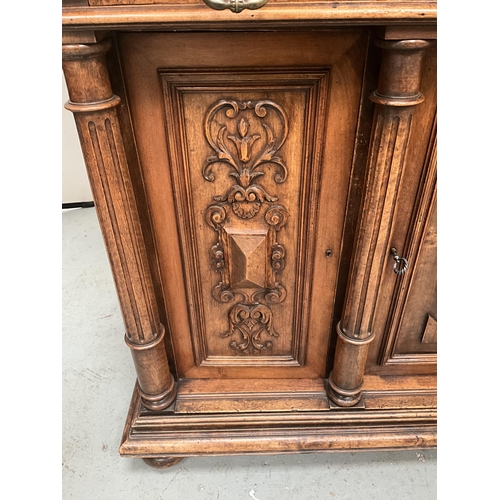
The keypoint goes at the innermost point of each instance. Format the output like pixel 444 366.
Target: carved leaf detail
pixel 276 216
pixel 276 295
pixel 215 215
pixel 222 294
pixel 245 163
pixel 250 320
pixel 243 127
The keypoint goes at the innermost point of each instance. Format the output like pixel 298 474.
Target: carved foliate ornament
pixel 251 152
pixel 250 320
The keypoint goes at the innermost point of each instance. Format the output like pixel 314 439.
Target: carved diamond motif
pixel 248 258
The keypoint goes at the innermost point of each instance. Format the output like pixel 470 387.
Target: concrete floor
pixel 98 377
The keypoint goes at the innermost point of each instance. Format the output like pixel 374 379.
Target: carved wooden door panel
pixel 245 144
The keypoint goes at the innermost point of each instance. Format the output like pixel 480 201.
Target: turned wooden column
pixel 396 96
pixel 94 106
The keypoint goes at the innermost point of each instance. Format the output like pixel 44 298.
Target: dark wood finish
pixel 70 37
pixel 73 3
pixel 395 32
pixel 251 172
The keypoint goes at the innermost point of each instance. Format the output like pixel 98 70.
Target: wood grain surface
pixel 251 172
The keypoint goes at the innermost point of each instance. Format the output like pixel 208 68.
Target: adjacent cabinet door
pixel 246 146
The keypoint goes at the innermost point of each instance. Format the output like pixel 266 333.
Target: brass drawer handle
pixel 235 5
pixel 400 264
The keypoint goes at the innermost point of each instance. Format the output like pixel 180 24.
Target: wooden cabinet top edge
pixel 280 15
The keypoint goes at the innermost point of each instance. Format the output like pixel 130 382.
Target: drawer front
pixel 246 143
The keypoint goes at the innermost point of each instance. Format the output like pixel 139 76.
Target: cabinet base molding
pixel 379 423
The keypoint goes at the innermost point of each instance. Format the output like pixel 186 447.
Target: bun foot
pixel 162 462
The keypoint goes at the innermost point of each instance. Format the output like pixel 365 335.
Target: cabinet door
pixel 245 142
pixel 411 326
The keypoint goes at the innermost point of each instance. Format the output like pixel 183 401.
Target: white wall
pixel 75 183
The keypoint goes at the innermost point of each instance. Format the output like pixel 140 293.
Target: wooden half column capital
pixel 94 106
pixel 400 71
pixel 396 96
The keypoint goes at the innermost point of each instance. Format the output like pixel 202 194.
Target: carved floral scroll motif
pixel 250 320
pixel 256 257
pixel 246 196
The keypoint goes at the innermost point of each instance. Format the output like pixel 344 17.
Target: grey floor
pixel 98 377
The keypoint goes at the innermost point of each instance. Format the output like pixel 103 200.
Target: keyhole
pixel 328 253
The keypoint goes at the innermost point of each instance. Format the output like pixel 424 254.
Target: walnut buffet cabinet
pixel 264 173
